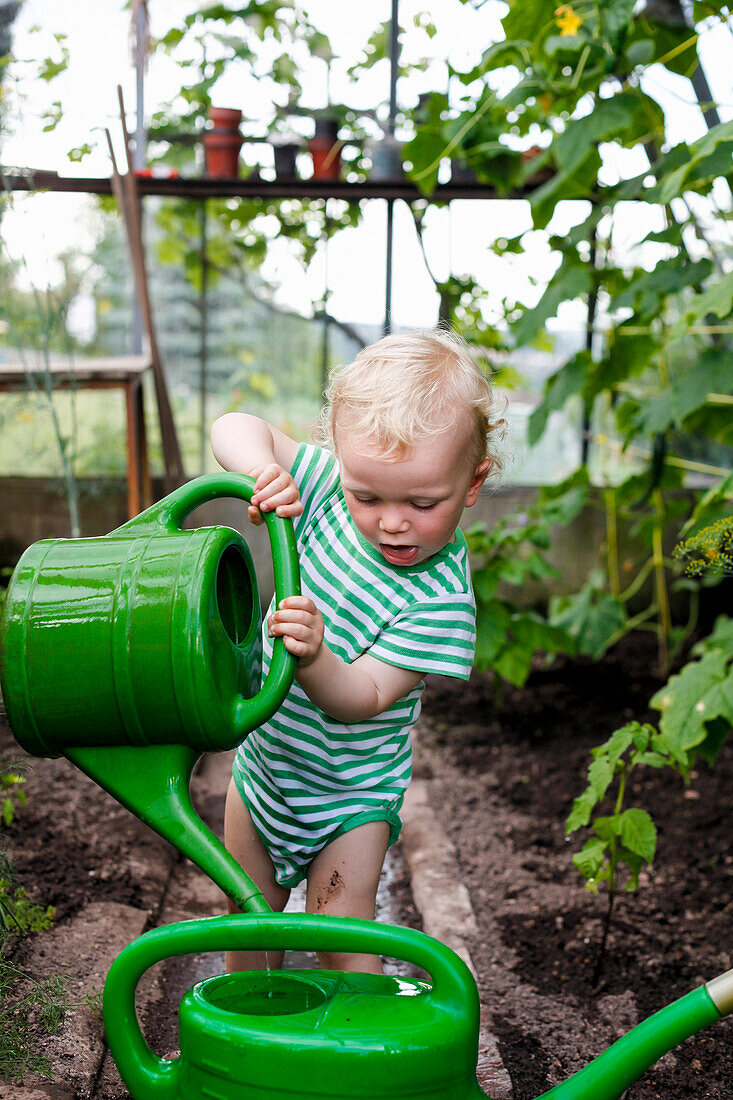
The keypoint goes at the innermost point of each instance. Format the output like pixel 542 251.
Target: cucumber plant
pixel 622 841
pixel 696 718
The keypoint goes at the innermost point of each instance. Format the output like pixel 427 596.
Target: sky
pixel 98 40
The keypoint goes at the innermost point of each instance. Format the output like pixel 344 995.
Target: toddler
pixel 387 598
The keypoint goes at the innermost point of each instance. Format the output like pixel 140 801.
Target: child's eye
pixel 424 507
pixel 365 500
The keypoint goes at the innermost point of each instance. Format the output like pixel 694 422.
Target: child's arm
pixel 247 445
pixel 347 692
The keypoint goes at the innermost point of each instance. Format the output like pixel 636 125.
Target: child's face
pixel 409 509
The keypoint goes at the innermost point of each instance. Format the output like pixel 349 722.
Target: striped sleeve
pixel 438 635
pixel 315 472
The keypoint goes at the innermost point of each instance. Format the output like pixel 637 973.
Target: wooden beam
pixel 128 199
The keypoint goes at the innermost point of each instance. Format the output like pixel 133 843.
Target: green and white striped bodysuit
pixel 307 778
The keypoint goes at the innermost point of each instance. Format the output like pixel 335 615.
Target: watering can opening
pixel 261 993
pixel 235 598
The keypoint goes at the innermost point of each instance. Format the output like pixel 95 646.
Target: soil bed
pixel 503 785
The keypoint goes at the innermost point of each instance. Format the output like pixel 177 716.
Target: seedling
pixel 11 794
pixel 623 841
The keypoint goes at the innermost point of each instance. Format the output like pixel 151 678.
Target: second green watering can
pixel 148 635
pixel 135 652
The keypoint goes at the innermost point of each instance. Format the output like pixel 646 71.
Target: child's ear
pixel 479 477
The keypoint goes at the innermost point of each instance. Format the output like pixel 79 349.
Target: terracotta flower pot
pixel 221 154
pixel 222 143
pixel 325 150
pixel 225 118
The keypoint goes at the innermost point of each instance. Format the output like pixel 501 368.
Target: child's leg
pixel 343 880
pixel 245 844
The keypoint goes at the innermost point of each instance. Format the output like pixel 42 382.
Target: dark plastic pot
pixel 285 160
pixel 386 160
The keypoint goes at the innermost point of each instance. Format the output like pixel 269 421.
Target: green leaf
pixel 720 638
pixel 717 299
pixel 580 184
pixel 563 502
pixel 514 571
pixel 527 19
pixel 701 692
pixel 591 619
pixel 514 664
pixel 685 394
pixel 492 626
pixel 626 357
pixel 589 859
pixel 50 69
pixel 635 863
pixel 648 289
pixel 607 827
pixel 579 816
pixel 642 736
pixel 600 776
pixel 537 634
pixel 571 280
pixel 619 741
pixel 640 52
pixel 568 381
pixel 718 732
pixel 429 145
pixel 608 118
pixel 654 760
pixel 701 149
pixel 485 582
pixel 639 833
pixel 539 568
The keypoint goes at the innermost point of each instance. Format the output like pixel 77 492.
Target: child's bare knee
pixel 327 893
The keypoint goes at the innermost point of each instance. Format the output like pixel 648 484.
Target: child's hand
pixel 275 491
pixel 300 623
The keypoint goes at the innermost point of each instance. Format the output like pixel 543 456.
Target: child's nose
pixel 393 520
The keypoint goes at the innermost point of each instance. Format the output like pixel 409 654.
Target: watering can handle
pixel 170 513
pixel 146 1075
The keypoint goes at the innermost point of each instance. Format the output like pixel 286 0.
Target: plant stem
pixel 637 582
pixel 660 574
pixel 609 499
pixel 612 866
pixel 600 958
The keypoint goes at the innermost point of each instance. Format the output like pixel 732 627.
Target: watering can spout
pixel 154 784
pixel 611 1073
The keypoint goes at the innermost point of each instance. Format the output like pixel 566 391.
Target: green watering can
pixel 324 1035
pixel 133 653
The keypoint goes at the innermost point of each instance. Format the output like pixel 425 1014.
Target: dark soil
pixel 503 785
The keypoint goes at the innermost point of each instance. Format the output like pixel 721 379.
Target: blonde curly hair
pixel 409 385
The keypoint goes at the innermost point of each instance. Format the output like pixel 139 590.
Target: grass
pixel 30 1008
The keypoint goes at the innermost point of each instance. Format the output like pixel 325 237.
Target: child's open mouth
pixel 399 555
